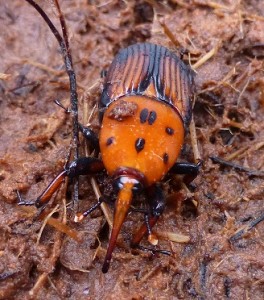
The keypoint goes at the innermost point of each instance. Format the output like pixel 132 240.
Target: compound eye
pixel 138 187
pixel 118 185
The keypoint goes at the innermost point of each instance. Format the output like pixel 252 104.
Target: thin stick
pixel 247 228
pixel 237 167
pixel 55 209
pixel 196 153
pixel 206 57
pixel 42 67
pixel 4 76
pixel 104 206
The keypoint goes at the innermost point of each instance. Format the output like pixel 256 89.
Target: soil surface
pixel 219 217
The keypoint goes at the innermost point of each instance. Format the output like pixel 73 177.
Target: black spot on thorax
pixel 139 144
pixel 165 158
pixel 169 130
pixel 143 115
pixel 110 141
pixel 152 117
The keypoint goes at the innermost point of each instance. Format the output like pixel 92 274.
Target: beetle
pixel 146 104
pixel 144 110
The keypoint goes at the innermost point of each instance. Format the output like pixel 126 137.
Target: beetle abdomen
pixel 153 71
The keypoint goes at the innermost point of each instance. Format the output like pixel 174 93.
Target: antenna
pixel 66 54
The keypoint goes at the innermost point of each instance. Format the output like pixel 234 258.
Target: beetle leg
pixel 81 166
pixel 190 170
pixel 79 217
pixel 149 224
pixel 146 219
pixel 157 204
pixel 91 137
pixel 46 194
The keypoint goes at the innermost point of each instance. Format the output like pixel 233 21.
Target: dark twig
pixel 247 228
pixel 203 274
pixel 218 160
pixel 8 274
pixel 153 251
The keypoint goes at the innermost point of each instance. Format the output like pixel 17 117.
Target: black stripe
pixel 130 53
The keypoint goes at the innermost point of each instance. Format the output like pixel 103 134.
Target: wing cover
pixel 153 71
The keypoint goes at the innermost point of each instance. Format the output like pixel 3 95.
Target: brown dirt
pixel 224 258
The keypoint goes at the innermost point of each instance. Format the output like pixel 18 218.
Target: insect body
pixel 145 106
pixel 146 101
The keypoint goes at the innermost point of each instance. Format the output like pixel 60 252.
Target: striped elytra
pixel 153 71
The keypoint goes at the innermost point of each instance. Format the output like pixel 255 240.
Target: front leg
pixel 91 137
pixel 81 166
pixel 190 170
pixel 157 202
